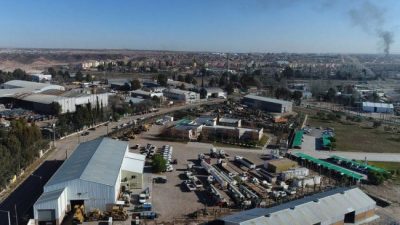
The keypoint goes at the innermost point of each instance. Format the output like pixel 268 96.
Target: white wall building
pixel 91 176
pixel 181 95
pixel 215 93
pixel 377 107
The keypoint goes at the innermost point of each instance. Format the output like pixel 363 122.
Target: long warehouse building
pixel 41 97
pixel 92 176
pixel 267 104
pixel 334 207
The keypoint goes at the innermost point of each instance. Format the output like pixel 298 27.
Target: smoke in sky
pixel 371 19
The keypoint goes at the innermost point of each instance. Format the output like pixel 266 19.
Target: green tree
pixel 88 78
pixel 376 178
pixel 159 164
pixel 288 72
pixel 181 78
pixel 56 108
pixel 182 86
pixel 162 80
pixel 296 96
pixel 135 84
pixel 79 76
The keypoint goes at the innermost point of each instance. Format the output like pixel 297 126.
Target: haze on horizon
pixel 302 26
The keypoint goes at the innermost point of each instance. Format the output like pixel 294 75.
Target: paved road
pixel 23 198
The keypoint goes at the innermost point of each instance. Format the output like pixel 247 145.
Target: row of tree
pixel 19 146
pixel 17 74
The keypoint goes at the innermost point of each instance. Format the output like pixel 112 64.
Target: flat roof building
pixel 92 176
pixel 338 206
pixel 268 104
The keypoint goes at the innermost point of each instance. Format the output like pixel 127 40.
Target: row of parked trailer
pixel 249 186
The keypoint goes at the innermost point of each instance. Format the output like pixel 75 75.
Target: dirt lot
pixel 390 191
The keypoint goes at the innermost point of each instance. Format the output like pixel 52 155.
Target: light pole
pixel 54 135
pixel 8 214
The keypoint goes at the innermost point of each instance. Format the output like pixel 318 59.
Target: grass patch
pixel 355 138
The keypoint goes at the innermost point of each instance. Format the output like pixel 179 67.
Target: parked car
pixel 86 133
pixel 189 185
pixel 160 180
pixel 142 198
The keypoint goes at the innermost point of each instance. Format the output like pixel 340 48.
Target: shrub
pixel 159 164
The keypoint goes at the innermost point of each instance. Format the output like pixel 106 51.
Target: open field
pixel 354 138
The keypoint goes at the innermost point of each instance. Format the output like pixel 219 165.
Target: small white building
pixel 215 93
pixel 377 107
pixel 92 176
pixel 41 77
pixel 181 95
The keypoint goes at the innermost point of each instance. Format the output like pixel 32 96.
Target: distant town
pixel 164 137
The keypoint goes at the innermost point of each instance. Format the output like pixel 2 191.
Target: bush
pixel 159 164
pixel 377 178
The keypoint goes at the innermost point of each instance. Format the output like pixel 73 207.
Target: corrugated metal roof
pixel 40 98
pixel 26 84
pixel 228 120
pixel 266 99
pixel 331 205
pixel 377 104
pixel 48 196
pixel 134 162
pixel 97 161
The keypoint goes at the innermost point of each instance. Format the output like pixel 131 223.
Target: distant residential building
pixel 90 64
pixel 267 104
pixel 376 107
pixel 181 95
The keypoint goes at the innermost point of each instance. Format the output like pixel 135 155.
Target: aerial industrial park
pixel 227 126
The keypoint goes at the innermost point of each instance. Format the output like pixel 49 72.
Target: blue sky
pixel 199 25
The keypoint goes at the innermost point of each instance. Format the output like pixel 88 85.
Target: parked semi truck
pixel 245 162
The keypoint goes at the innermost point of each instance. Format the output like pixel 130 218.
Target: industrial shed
pixel 338 206
pixel 91 176
pixel 377 107
pixel 267 104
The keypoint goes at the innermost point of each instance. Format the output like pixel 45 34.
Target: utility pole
pixel 54 135
pixel 16 214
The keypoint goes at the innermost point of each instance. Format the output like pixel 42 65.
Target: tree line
pixel 19 147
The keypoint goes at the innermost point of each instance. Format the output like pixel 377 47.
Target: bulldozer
pixel 79 216
pixel 95 215
pixel 118 213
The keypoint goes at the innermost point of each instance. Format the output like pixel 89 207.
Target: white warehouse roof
pixel 97 161
pixel 326 207
pixel 133 162
pixel 266 99
pixel 377 104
